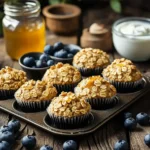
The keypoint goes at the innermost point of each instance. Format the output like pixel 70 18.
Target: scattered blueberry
pixel 70 55
pixel 147 139
pixel 67 49
pixel 29 142
pixel 48 49
pixel 127 115
pixel 142 118
pixel 61 54
pixel 29 61
pixel 15 124
pixel 73 51
pixel 5 145
pixel 50 62
pixel 7 128
pixel 121 145
pixel 70 145
pixel 41 64
pixel 46 147
pixel 44 57
pixel 130 123
pixel 7 136
pixel 58 46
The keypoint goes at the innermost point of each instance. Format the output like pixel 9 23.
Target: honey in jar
pixel 24 28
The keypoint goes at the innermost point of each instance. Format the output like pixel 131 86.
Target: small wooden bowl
pixel 62 18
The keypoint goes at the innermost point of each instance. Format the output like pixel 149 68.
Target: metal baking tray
pixel 97 119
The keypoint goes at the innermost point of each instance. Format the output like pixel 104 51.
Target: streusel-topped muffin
pixel 95 87
pixel 10 80
pixel 68 110
pixel 91 61
pixel 35 94
pixel 123 74
pixel 99 92
pixel 122 70
pixel 63 76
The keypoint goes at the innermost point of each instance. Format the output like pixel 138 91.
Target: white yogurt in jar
pixel 131 38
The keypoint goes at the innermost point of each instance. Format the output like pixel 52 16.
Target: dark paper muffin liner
pixel 90 72
pixel 65 87
pixel 69 123
pixel 29 106
pixel 103 103
pixel 7 94
pixel 125 87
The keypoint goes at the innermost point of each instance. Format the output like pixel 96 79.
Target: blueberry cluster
pixel 43 61
pixel 7 134
pixel 130 123
pixel 60 50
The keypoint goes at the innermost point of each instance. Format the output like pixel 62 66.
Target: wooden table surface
pixel 105 137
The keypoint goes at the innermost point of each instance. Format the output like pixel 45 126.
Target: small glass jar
pixel 24 28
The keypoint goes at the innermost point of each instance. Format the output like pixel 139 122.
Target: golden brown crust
pixel 91 58
pixel 68 105
pixel 122 70
pixel 11 79
pixel 36 91
pixel 95 87
pixel 62 74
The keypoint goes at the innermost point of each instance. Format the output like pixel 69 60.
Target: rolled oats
pixel 95 87
pixel 91 58
pixel 68 105
pixel 62 74
pixel 122 70
pixel 11 79
pixel 36 91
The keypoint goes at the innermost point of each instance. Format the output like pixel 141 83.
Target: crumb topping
pixel 11 79
pixel 62 74
pixel 122 70
pixel 68 105
pixel 36 91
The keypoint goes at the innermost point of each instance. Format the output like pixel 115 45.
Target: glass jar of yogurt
pixel 131 38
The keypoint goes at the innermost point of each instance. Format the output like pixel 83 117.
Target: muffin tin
pixel 96 120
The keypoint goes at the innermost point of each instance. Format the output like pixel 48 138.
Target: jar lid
pixel 96 28
pixel 22 8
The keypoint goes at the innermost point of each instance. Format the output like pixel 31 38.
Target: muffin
pixel 90 61
pixel 124 75
pixel 68 111
pixel 35 95
pixel 10 80
pixel 98 92
pixel 63 76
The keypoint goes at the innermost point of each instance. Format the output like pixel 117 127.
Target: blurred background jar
pixel 24 28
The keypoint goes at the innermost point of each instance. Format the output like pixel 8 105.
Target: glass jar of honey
pixel 24 28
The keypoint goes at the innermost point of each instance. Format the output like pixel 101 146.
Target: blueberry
pixel 70 145
pixel 5 145
pixel 58 46
pixel 127 115
pixel 44 57
pixel 70 55
pixel 15 124
pixel 142 118
pixel 48 49
pixel 130 123
pixel 7 136
pixel 73 51
pixel 50 63
pixel 29 142
pixel 46 147
pixel 61 54
pixel 7 128
pixel 147 139
pixel 41 64
pixel 29 61
pixel 121 145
